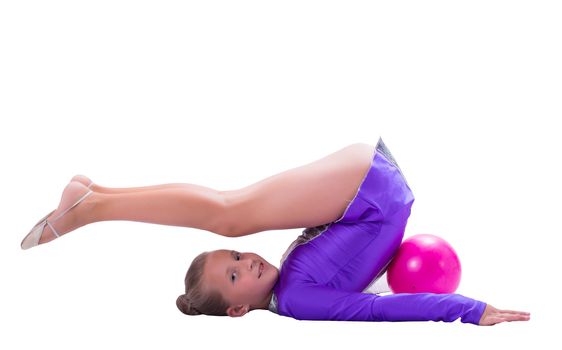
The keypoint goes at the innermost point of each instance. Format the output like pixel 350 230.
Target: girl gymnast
pixel 354 203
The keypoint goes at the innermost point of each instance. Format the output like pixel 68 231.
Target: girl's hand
pixel 491 316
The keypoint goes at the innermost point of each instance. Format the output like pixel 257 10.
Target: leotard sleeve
pixel 324 303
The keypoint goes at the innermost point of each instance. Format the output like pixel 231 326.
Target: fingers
pixel 514 316
pixel 493 316
pixel 507 316
pixel 516 312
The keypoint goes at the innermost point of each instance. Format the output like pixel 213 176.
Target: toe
pixel 86 181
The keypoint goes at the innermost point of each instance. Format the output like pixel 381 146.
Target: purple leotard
pixel 326 269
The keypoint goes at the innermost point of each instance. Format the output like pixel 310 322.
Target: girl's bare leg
pixel 309 195
pixel 171 204
pixel 120 190
pixel 115 190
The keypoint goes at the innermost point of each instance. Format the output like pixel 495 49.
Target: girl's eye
pixel 233 277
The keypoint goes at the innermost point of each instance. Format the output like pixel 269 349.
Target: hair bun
pixel 184 305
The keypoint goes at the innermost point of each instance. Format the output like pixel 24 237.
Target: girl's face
pixel 245 280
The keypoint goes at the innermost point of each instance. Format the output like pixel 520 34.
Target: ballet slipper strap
pixel 66 210
pixel 53 229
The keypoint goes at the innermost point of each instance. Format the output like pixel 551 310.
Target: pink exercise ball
pixel 424 263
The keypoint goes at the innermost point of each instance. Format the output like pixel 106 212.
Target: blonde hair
pixel 197 299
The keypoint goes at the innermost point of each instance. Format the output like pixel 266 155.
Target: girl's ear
pixel 238 310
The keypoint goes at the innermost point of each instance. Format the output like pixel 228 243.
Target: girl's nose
pixel 249 263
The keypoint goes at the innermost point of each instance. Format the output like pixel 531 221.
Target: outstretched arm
pixel 324 303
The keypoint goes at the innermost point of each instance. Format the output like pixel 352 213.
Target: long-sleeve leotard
pixel 325 272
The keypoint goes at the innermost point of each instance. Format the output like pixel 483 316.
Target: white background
pixel 225 93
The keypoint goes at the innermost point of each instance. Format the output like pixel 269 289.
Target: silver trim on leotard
pixel 273 303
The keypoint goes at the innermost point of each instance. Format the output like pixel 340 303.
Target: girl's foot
pixel 75 217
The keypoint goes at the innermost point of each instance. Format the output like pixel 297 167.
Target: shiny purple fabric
pixel 324 272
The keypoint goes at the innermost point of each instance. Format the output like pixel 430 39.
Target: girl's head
pixel 226 282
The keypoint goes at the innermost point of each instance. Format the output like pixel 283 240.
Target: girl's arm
pixel 324 303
